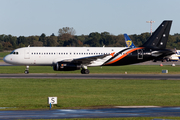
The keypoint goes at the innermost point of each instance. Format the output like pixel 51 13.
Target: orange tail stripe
pixel 124 55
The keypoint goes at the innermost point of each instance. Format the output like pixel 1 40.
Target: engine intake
pixel 66 66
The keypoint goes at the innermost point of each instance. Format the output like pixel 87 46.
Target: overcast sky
pixel 34 17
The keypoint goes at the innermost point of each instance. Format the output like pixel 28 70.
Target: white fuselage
pixel 48 56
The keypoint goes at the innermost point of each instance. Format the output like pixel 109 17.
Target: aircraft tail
pixel 128 41
pixel 159 38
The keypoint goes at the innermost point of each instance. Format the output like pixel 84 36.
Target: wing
pixel 90 60
pixel 100 59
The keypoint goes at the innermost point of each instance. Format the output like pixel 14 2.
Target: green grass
pixel 3 54
pixel 73 93
pixel 130 69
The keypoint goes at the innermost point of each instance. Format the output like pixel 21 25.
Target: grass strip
pixel 87 93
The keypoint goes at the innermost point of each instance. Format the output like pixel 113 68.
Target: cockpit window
pixel 14 53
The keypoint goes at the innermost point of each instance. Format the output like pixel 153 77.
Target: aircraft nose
pixel 6 59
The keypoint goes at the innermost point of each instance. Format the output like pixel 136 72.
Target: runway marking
pixel 137 106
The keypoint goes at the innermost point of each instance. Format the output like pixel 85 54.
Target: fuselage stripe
pixel 130 51
pixel 116 55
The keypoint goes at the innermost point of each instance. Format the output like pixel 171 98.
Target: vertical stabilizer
pixel 129 42
pixel 160 36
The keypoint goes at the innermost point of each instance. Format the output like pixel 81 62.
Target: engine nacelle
pixel 66 66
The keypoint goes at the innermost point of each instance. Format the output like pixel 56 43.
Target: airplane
pixel 76 58
pixel 178 53
pixel 173 57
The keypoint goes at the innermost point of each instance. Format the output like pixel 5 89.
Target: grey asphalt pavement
pixel 91 113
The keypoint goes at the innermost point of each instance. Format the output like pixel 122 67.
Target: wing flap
pixel 92 59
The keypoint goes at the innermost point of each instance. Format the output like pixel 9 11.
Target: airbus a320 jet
pixel 76 58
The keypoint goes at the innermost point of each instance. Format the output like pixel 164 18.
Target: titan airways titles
pixel 76 58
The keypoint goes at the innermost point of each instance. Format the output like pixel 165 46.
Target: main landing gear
pixel 85 70
pixel 26 70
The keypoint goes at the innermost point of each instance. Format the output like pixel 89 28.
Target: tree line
pixel 66 37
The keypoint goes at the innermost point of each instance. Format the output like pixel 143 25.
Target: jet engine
pixel 66 66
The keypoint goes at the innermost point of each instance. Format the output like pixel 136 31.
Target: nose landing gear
pixel 26 70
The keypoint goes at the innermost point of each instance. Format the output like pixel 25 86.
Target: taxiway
pixel 96 76
pixel 92 113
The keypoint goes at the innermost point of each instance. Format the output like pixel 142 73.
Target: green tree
pixel 1 47
pixel 43 39
pixel 22 40
pixel 52 41
pixel 66 33
pixel 94 39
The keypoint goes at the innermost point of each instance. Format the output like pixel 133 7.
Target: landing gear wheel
pixel 82 71
pixel 85 71
pixel 26 72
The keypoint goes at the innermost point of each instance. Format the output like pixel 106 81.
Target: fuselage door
pixel 26 54
pixel 140 54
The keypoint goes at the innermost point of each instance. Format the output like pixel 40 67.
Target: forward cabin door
pixel 26 54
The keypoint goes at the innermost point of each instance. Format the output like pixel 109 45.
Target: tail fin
pixel 128 41
pixel 160 36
